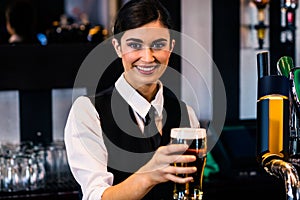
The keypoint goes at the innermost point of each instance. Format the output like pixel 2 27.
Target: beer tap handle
pixel 295 88
pixel 284 66
pixel 263 68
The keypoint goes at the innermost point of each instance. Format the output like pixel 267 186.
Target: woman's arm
pixel 157 170
pixel 87 155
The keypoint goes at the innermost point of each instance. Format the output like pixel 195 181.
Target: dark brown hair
pixel 136 13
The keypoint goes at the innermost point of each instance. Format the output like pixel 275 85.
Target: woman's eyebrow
pixel 141 41
pixel 160 40
pixel 134 39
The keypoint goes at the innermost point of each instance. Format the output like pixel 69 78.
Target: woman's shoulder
pixel 82 107
pixel 82 103
pixel 81 100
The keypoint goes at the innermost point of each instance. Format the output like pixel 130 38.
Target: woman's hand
pixel 157 170
pixel 160 169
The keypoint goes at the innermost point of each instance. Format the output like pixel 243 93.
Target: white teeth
pixel 147 69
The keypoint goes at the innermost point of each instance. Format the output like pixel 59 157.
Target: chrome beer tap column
pixel 273 130
pixel 295 117
pixel 284 66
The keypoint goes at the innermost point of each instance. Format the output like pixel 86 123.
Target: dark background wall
pixel 226 50
pixel 46 12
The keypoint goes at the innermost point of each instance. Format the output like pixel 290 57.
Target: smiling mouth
pixel 146 69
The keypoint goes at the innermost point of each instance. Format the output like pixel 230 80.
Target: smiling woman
pixel 109 152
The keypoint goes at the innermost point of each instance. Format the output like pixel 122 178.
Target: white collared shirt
pixel 139 104
pixel 87 154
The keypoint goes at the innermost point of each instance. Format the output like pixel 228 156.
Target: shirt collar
pixel 136 101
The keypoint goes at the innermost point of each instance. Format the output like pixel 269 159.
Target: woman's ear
pixel 172 45
pixel 117 47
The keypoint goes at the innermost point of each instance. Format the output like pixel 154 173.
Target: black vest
pixel 127 148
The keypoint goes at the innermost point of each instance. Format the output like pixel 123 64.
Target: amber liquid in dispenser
pixel 276 122
pixel 273 123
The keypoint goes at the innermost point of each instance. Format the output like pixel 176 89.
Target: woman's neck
pixel 149 91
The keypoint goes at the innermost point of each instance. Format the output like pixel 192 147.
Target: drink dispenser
pixel 273 116
pixel 273 126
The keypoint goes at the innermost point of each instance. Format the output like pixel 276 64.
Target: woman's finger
pixel 178 179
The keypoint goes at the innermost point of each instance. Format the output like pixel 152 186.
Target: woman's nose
pixel 147 55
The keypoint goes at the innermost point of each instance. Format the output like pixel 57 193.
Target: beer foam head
pixel 188 133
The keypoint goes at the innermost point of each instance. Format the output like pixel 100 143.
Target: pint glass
pixel 196 139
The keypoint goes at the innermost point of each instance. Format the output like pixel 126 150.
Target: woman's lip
pixel 146 69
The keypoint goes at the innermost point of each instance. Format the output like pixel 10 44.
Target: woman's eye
pixel 158 45
pixel 134 45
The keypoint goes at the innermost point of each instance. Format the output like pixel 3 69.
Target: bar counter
pixel 66 189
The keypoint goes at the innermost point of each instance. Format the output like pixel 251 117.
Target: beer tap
pixel 274 125
pixel 295 116
pixel 280 168
pixel 284 66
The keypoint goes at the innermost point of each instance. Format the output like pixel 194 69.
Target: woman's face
pixel 145 53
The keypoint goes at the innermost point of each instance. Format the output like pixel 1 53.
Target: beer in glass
pixel 196 139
